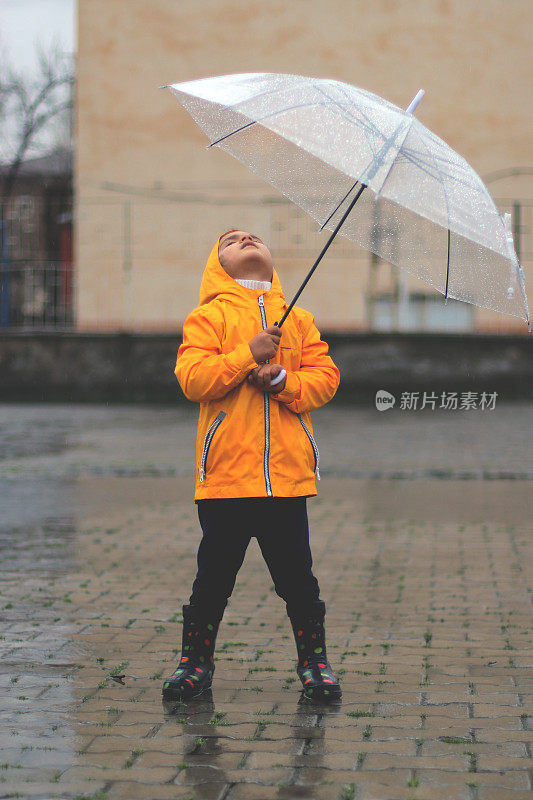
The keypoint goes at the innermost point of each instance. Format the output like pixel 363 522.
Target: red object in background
pixel 65 244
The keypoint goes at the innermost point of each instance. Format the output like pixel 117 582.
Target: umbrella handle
pixel 278 378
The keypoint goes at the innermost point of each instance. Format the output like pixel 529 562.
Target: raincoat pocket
pixel 289 357
pixel 313 444
pixel 207 441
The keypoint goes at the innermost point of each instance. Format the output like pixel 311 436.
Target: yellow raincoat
pixel 252 443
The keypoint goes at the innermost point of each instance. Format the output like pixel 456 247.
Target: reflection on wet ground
pixel 428 614
pixel 38 652
pixel 63 440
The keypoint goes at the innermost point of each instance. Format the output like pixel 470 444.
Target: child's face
pixel 244 255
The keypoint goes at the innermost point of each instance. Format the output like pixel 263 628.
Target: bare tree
pixel 29 106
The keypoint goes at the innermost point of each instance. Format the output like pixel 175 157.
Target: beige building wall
pixel 151 199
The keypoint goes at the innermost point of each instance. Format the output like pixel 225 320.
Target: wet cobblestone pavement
pixel 421 540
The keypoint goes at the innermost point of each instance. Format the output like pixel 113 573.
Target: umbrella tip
pixel 415 101
pixel 164 86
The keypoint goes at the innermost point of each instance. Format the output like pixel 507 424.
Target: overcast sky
pixel 22 22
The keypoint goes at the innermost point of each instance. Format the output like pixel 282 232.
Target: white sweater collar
pixel 252 284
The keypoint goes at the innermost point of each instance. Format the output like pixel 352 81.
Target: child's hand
pixel 260 377
pixel 265 344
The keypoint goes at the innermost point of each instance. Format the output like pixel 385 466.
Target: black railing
pixel 37 296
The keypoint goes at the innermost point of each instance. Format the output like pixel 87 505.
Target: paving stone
pixel 40 789
pixel 252 791
pixel 512 779
pixel 432 747
pixel 150 775
pixel 135 790
pixel 486 793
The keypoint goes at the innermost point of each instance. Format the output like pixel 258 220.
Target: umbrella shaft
pixel 321 254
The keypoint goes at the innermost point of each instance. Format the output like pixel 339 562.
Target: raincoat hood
pixel 216 282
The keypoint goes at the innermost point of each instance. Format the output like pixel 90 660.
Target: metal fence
pixel 37 296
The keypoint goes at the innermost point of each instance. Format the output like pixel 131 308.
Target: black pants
pixel 282 531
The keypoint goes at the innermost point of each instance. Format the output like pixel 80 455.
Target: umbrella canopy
pixel 424 207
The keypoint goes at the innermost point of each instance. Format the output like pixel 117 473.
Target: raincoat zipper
pixel 208 439
pixel 315 448
pixel 266 400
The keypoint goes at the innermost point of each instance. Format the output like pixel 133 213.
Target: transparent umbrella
pixel 351 159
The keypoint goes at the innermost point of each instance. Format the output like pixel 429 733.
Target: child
pixel 255 454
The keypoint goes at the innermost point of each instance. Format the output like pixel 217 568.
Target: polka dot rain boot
pixel 194 673
pixel 314 670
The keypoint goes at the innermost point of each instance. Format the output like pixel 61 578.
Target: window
pixel 421 312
